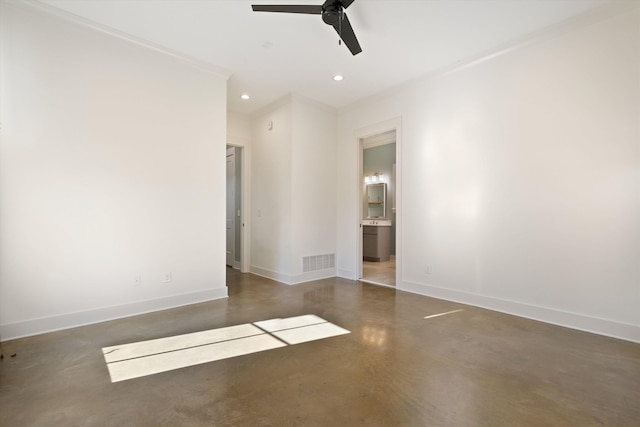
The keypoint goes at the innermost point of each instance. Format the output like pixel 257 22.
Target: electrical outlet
pixel 427 269
pixel 137 280
pixel 167 277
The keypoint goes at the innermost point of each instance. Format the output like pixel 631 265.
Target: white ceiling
pixel 272 54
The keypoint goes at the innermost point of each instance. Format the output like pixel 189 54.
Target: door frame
pixel 245 202
pixel 361 134
pixel 231 152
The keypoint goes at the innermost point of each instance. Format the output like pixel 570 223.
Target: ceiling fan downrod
pixel 340 27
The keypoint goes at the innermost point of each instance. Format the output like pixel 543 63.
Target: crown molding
pixel 584 20
pixel 36 5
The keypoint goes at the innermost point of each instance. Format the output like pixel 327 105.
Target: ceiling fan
pixel 332 12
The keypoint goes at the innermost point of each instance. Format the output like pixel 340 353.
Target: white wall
pixel 313 185
pixel 238 128
pixel 521 180
pixel 271 192
pixel 111 166
pixel 293 198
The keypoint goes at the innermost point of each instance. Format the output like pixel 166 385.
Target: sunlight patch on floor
pixel 443 314
pixel 296 330
pixel 144 358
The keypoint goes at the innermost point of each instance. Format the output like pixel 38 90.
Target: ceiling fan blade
pixel 336 3
pixel 288 8
pixel 345 31
pixel 347 3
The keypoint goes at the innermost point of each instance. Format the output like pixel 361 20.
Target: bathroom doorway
pixel 378 200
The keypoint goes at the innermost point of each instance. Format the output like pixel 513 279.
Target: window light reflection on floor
pixel 144 358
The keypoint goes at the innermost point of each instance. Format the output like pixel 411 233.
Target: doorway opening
pixel 234 223
pixel 378 199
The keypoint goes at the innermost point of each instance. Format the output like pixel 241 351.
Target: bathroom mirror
pixel 376 200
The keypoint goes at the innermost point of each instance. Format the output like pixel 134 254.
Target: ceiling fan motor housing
pixel 331 14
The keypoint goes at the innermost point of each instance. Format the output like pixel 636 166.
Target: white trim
pixel 43 325
pixel 236 141
pixel 594 16
pixel 544 314
pixel 245 203
pixel 245 209
pixel 297 279
pixel 346 274
pixel 70 17
pixel 309 276
pixel 359 136
pixel 591 17
pixel 269 274
pixel 378 140
pixel 231 152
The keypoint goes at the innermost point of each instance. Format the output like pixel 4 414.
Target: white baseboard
pixel 313 275
pixel 32 327
pixel 289 279
pixel 347 274
pixel 269 274
pixel 580 322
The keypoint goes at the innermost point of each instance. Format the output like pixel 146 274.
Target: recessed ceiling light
pixel 245 96
pixel 337 77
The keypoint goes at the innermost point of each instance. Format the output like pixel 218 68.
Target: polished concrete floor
pixel 383 272
pixel 472 367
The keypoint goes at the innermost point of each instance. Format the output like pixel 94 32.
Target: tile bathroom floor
pixel 472 367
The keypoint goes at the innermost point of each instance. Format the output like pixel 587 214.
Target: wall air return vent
pixel 318 262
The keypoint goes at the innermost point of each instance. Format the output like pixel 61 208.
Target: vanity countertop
pixel 377 222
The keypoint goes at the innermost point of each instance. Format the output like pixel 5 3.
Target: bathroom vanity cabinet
pixel 376 243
